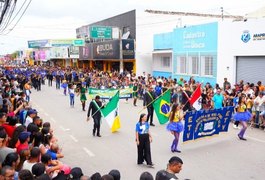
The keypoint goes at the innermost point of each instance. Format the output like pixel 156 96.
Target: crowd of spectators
pixel 29 148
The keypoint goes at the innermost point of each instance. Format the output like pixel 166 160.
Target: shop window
pixel 182 65
pixel 165 62
pixel 194 64
pixel 207 65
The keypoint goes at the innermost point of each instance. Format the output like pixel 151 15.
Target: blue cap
pixel 23 135
pixel 32 111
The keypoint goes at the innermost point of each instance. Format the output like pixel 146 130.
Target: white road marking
pixel 73 138
pixel 255 139
pixel 64 129
pixel 89 152
pixel 46 114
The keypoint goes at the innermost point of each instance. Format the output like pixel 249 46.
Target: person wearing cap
pixel 23 139
pixel 31 114
pixel 174 166
pixel 115 174
pixel 149 98
pixel 76 173
pixel 94 107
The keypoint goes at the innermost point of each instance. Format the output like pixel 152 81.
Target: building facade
pixel 110 43
pixel 211 52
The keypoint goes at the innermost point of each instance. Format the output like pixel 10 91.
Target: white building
pixel 241 51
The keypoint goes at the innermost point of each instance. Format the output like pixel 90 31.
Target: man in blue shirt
pixel 218 99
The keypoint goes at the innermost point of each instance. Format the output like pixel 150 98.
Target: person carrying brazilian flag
pixel 160 104
pixel 149 99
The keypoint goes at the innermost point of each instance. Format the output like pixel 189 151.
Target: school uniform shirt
pixel 142 128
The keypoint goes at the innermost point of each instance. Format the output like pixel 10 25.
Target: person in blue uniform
pixel 143 140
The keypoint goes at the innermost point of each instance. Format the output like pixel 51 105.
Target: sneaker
pixel 152 124
pixel 235 126
pixel 150 165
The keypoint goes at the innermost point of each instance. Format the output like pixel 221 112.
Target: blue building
pixel 188 51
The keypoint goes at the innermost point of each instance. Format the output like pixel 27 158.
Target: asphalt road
pixel 217 158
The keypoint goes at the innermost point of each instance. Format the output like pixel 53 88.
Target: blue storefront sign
pixel 38 43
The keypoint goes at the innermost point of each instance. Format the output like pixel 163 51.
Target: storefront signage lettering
pixel 104 47
pixel 191 35
pixel 106 50
pixel 257 37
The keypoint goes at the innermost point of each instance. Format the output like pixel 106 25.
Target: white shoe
pixel 235 127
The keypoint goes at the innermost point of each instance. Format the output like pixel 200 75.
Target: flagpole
pixel 101 107
pixel 153 101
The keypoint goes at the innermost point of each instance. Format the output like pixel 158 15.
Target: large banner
pixel 109 93
pixel 199 124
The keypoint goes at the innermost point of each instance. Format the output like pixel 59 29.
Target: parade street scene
pixel 132 90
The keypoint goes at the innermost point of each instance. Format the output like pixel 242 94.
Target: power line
pixel 10 30
pixel 6 23
pixel 5 9
pixel 18 11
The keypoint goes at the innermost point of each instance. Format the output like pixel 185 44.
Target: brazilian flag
pixel 162 107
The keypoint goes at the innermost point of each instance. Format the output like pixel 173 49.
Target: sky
pixel 57 19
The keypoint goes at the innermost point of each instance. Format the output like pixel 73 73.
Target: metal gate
pixel 250 69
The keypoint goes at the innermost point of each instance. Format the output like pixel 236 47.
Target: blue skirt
pixel 175 126
pixel 242 116
pixel 64 85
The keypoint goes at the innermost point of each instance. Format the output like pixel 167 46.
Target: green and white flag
pixel 111 112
